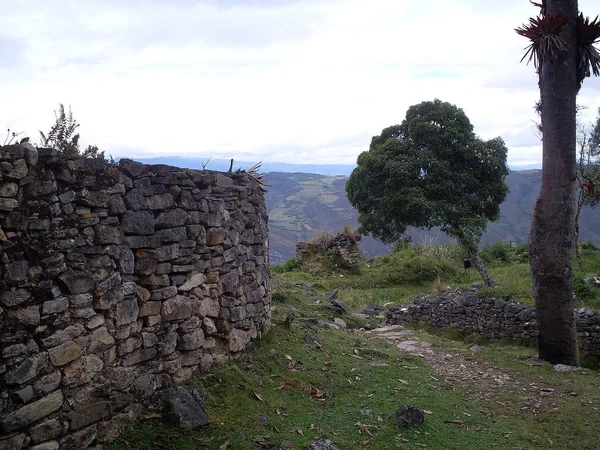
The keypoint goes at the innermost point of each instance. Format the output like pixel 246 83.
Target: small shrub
pixel 418 269
pixel 521 253
pixel 279 297
pixel 289 265
pixel 588 246
pixel 333 255
pixel 498 251
pixel 585 292
pixel 293 263
pixel 401 245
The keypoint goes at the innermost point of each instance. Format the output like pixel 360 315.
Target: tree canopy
pixel 430 171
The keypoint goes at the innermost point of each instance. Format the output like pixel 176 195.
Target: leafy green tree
pixel 430 171
pixel 562 50
pixel 63 138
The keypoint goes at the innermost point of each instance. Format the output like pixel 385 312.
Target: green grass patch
pixel 347 390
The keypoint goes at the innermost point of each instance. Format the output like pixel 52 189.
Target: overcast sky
pixel 307 81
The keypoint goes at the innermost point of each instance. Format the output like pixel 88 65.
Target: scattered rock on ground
pixel 334 303
pixel 312 339
pixel 332 295
pixel 476 348
pixel 410 415
pixel 340 323
pixel 263 420
pixel 323 444
pixel 185 408
pixel 339 306
pixel 564 368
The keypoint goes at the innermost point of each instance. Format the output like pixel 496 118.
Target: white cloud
pixel 295 81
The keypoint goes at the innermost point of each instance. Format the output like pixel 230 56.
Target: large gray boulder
pixel 185 409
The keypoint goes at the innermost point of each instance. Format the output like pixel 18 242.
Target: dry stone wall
pixel 117 281
pixel 344 244
pixel 490 317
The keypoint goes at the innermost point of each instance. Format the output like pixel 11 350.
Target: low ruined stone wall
pixel 116 281
pixel 344 244
pixel 490 317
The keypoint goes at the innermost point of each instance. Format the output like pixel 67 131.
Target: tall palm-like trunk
pixel 551 240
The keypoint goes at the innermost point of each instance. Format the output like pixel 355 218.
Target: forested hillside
pixel 303 205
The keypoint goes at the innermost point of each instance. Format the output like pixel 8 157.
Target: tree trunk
pixel 551 239
pixel 480 266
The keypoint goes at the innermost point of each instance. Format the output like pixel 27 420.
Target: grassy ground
pixel 306 380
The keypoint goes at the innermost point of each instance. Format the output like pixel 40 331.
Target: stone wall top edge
pixel 49 157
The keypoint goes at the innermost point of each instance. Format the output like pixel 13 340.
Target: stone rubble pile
pixel 490 317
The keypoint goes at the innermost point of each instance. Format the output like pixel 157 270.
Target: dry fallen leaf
pixel 318 393
pixel 362 427
pixel 257 396
pixel 284 383
pixel 224 446
pixel 457 422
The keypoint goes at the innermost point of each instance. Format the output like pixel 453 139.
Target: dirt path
pixel 457 367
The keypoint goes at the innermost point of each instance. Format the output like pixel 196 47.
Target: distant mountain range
pixel 304 205
pixel 195 162
pixel 223 165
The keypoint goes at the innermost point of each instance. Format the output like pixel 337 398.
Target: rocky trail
pixel 482 380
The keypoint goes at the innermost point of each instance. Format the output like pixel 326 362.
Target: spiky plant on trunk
pixel 563 53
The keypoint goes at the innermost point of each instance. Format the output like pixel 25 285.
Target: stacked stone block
pixel 490 317
pixel 117 281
